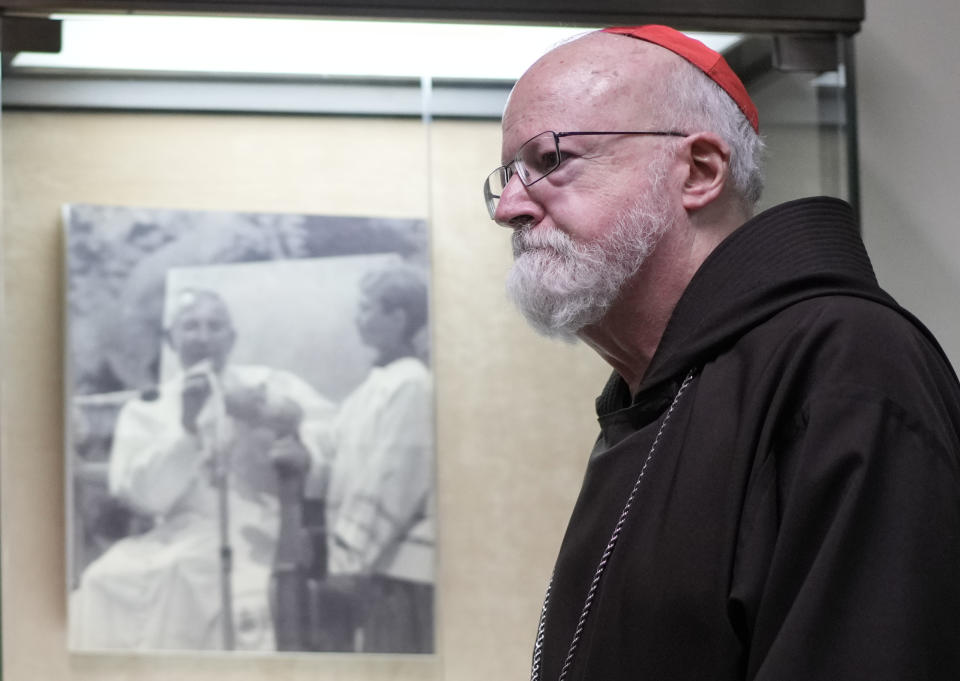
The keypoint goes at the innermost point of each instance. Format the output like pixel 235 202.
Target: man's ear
pixel 707 159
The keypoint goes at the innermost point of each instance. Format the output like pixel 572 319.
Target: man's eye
pixel 549 159
pixel 545 162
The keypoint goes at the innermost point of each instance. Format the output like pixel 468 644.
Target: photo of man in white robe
pixel 212 424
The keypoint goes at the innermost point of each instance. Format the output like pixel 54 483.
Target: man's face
pixel 586 228
pixel 561 284
pixel 201 331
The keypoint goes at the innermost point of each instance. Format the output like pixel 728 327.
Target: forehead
pixel 599 82
pixel 201 307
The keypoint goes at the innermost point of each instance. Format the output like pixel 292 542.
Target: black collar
pixel 792 252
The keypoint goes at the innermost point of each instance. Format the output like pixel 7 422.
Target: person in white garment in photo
pixel 162 589
pixel 380 494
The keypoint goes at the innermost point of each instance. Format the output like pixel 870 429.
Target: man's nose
pixel 517 206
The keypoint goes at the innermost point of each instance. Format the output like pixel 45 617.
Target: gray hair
pixel 692 102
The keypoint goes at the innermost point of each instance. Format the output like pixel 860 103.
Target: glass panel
pixel 804 121
pixel 280 167
pixel 231 285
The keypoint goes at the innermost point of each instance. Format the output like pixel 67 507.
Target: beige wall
pixel 909 99
pixel 506 479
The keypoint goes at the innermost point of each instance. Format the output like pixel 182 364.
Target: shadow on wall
pixel 919 273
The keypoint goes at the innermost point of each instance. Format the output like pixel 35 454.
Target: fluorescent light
pixel 297 47
pixel 304 47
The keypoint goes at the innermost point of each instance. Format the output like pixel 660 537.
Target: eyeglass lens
pixel 493 188
pixel 538 157
pixel 535 159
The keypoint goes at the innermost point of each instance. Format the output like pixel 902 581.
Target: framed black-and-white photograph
pixel 249 447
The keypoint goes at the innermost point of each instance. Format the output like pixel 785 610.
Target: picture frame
pixel 171 553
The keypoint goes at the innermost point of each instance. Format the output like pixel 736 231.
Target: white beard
pixel 561 285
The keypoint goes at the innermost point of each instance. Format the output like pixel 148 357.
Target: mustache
pixel 528 239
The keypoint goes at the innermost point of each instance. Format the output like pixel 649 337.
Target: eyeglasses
pixel 538 157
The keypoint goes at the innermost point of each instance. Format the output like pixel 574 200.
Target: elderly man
pixel 213 424
pixel 775 490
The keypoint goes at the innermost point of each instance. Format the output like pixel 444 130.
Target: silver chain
pixel 604 559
